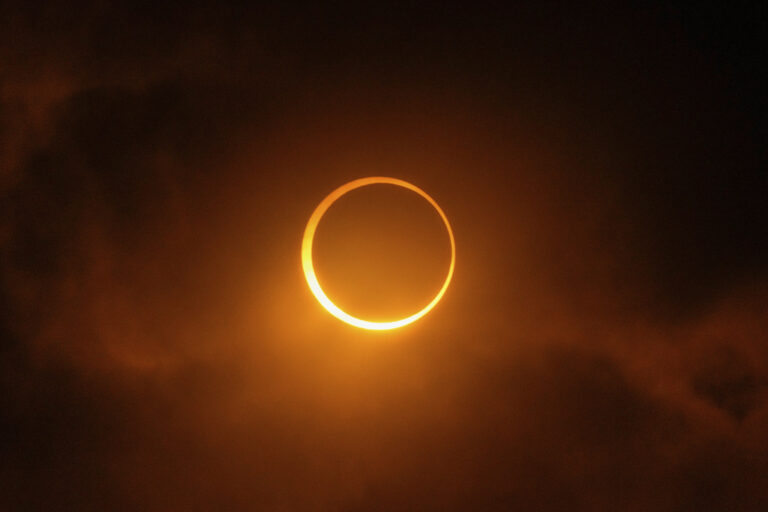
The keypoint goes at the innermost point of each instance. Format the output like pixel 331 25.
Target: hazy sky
pixel 604 342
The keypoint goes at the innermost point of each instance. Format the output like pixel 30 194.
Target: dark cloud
pixel 603 343
pixel 729 383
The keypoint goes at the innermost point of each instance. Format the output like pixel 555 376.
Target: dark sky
pixel 604 342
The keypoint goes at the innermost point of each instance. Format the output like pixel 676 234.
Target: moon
pixel 309 270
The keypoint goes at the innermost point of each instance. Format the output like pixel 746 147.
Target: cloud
pixel 601 345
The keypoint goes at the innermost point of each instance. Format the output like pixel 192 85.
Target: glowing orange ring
pixel 309 270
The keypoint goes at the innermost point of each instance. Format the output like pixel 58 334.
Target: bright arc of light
pixel 309 270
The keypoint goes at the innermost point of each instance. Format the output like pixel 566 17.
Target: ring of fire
pixel 309 270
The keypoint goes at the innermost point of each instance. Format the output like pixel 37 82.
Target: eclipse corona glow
pixel 309 270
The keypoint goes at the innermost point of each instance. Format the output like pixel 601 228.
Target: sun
pixel 309 270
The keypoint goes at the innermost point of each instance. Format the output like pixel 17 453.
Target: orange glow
pixel 309 270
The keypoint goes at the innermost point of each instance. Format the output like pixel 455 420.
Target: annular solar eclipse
pixel 309 270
